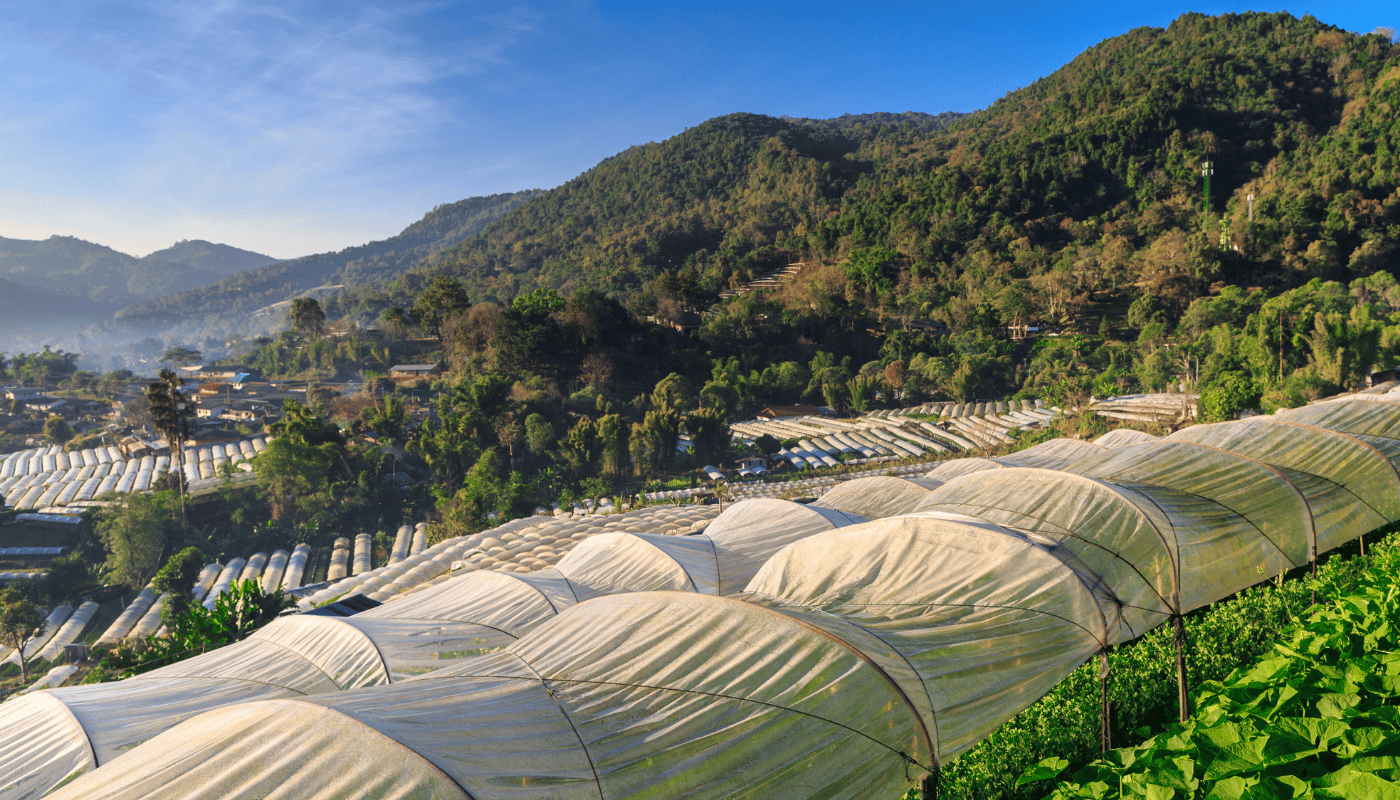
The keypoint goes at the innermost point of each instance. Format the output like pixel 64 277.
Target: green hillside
pixel 732 196
pixel 219 259
pixel 67 269
pixel 1081 184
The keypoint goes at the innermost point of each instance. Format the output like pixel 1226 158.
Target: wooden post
pixel 928 787
pixel 1312 562
pixel 1179 638
pixel 1105 712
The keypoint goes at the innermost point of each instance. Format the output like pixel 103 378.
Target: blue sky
pixel 296 127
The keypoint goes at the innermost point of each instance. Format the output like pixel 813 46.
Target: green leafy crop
pixel 1316 717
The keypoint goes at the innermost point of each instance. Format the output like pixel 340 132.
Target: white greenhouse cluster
pixel 841 648
pixel 898 434
pixel 47 478
pixel 974 424
pixel 520 546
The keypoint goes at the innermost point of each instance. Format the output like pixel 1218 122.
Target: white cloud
pixel 253 110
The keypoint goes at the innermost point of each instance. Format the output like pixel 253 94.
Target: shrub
pixel 1226 396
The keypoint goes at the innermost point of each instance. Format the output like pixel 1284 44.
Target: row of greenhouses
pixel 48 477
pixel 841 648
pixel 888 435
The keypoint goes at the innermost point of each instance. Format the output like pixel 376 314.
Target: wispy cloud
pixel 216 104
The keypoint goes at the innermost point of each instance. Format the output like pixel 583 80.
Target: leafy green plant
pixel 1227 395
pixel 238 612
pixel 1065 723
pixel 1315 717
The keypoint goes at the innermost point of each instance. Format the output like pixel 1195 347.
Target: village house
pixel 410 371
pixel 22 393
pixel 210 411
pixel 754 464
pixel 246 411
pixel 53 406
pixel 779 412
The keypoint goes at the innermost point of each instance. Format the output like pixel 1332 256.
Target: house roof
pixel 413 367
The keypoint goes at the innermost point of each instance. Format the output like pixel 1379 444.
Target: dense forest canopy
pixel 1084 182
pixel 1078 204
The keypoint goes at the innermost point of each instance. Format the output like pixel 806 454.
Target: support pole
pixel 1312 562
pixel 1179 638
pixel 1105 712
pixel 928 787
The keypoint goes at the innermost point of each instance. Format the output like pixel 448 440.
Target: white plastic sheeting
pixel 57 616
pixel 364 543
pixel 276 566
pixel 340 560
pixel 875 497
pixel 401 543
pixel 480 730
pixel 856 656
pixel 127 620
pixel 227 576
pixel 296 567
pixel 76 478
pixel 69 632
pixel 293 656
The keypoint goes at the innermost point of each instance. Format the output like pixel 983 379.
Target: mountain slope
pixel 1087 181
pixel 725 196
pixel 92 274
pixel 218 259
pixel 370 264
pixel 18 305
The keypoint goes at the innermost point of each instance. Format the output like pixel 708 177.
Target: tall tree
pixel 386 421
pixel 443 298
pixel 20 622
pixel 613 434
pixel 672 393
pixel 182 357
pixel 170 414
pixel 580 447
pixel 177 579
pixel 134 534
pixel 539 435
pixel 709 435
pixel 663 431
pixel 396 319
pixel 306 316
pixel 862 392
pixel 57 430
pixel 302 462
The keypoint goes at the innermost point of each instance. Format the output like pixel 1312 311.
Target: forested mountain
pixel 93 275
pixel 219 259
pixel 726 197
pixel 19 305
pixel 1083 182
pixel 368 264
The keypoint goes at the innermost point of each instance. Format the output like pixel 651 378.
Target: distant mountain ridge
pixel 1093 172
pixel 65 268
pixel 716 198
pixel 369 264
pixel 18 304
